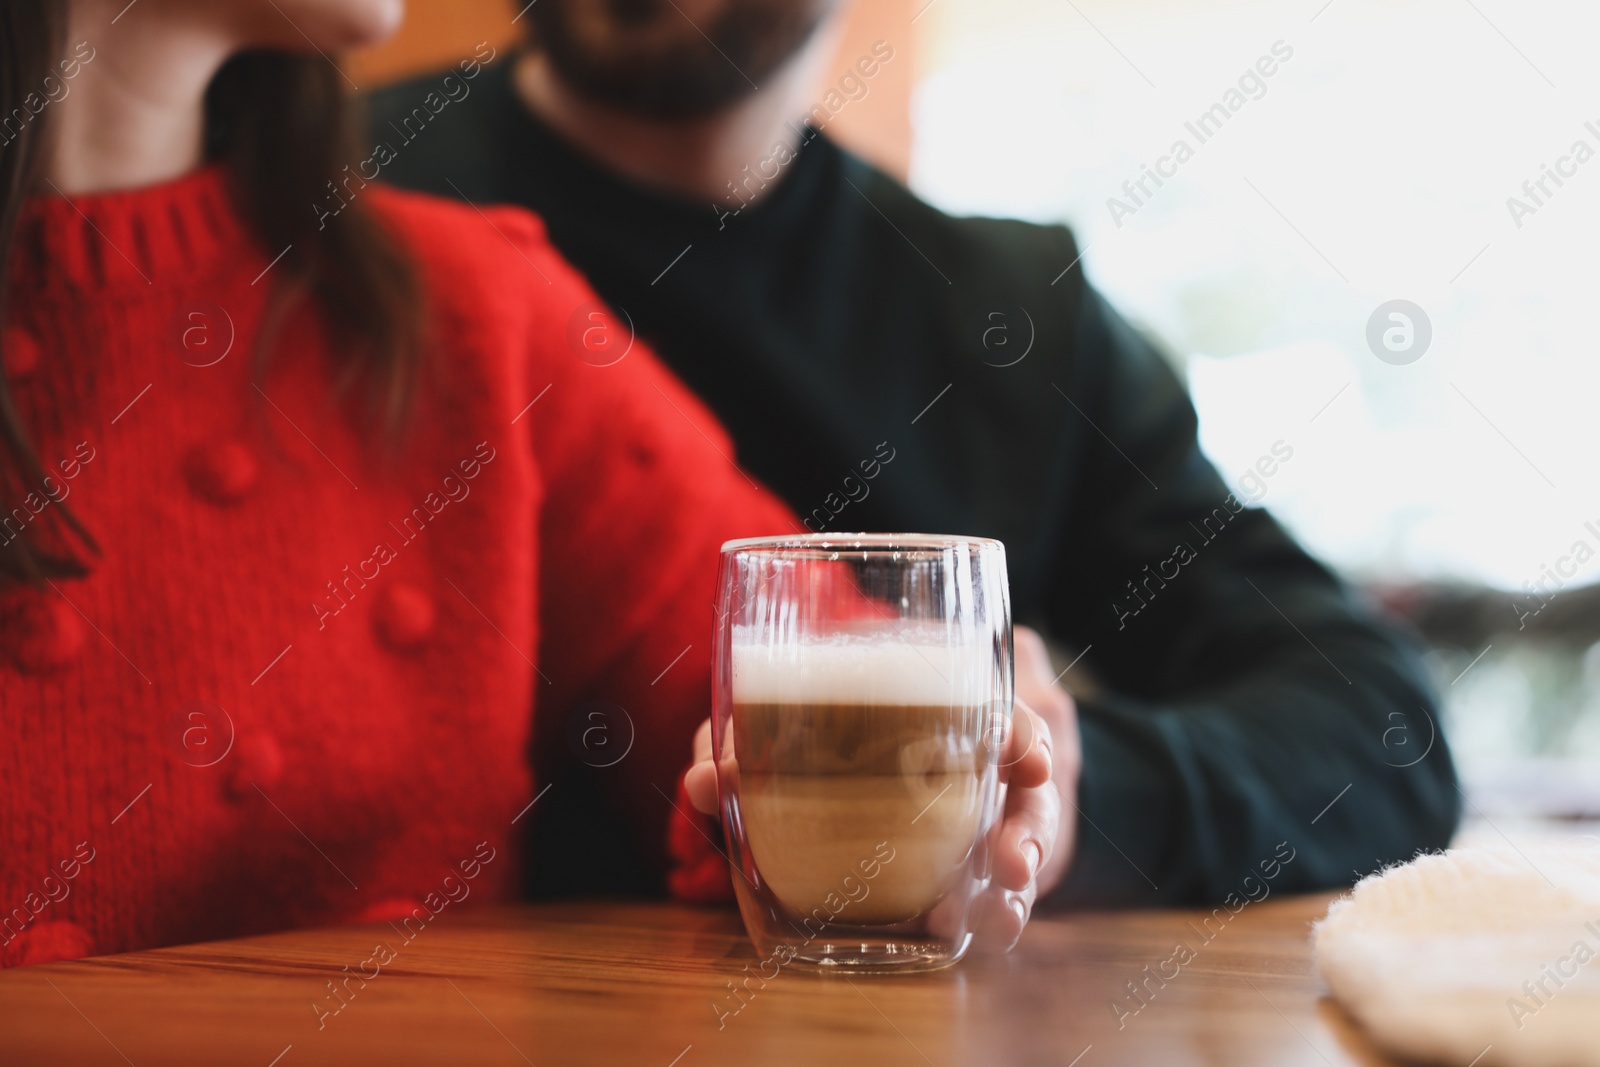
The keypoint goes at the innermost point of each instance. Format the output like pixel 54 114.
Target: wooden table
pixel 635 984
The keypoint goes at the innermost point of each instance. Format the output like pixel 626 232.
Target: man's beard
pixel 646 58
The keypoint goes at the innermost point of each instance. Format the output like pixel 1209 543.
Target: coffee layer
pixel 820 786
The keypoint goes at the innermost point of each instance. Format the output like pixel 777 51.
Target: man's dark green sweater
pixel 1234 696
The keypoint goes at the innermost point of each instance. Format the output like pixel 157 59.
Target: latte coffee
pixel 855 748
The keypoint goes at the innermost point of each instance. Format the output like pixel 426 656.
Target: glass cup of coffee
pixel 863 688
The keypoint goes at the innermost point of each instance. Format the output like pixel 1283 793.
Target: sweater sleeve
pixel 1246 700
pixel 640 489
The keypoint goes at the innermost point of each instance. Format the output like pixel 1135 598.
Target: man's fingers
pixel 998 918
pixel 700 782
pixel 1032 659
pixel 1027 837
pixel 1027 761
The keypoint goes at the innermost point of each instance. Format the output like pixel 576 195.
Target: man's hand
pixel 1036 840
pixel 1039 766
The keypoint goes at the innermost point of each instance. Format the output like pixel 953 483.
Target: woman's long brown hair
pixel 280 121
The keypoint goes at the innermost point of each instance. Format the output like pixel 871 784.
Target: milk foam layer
pixel 880 670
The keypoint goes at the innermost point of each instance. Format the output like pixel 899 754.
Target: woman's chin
pixel 369 22
pixel 381 19
pixel 340 25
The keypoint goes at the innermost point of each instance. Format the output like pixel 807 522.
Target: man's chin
pixel 680 71
pixel 667 99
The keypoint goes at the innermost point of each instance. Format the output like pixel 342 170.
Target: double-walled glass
pixel 863 687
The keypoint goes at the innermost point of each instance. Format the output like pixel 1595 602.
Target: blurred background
pixel 1447 471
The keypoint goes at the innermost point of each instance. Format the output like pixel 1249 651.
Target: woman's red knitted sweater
pixel 305 683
